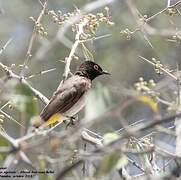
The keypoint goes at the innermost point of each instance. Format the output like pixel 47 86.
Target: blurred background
pixel 116 49
pixel 114 52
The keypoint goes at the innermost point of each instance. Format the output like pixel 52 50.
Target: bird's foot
pixel 72 120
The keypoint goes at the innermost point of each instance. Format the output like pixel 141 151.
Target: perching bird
pixel 69 98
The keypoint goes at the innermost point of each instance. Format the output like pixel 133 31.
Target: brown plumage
pixel 66 97
pixel 69 98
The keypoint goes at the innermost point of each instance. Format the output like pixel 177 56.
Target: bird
pixel 70 97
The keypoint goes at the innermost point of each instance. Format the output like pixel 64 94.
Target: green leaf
pixel 23 90
pixel 107 163
pixel 123 161
pixel 109 137
pixel 24 100
pixel 3 143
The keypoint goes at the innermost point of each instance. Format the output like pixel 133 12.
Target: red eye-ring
pixel 96 67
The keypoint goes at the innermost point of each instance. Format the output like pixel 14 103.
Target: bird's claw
pixel 72 120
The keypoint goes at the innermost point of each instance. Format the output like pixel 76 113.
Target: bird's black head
pixel 90 70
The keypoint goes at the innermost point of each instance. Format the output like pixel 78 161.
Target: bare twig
pixel 144 26
pixel 68 169
pixel 136 164
pixel 2 107
pixel 60 37
pixel 163 69
pixel 77 37
pixel 40 73
pixel 162 11
pixel 11 118
pixel 5 149
pixel 87 8
pixel 4 47
pixel 32 39
pixel 74 47
pixel 39 132
pixel 91 139
pixel 11 140
pixel 96 38
pixel 134 130
pixel 11 75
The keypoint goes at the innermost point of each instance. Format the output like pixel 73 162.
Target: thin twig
pixel 40 73
pixel 90 139
pixel 134 130
pixel 11 140
pixel 5 149
pixel 162 11
pixel 4 47
pixel 74 47
pixel 67 169
pixel 143 25
pixel 38 132
pixel 163 69
pixel 135 164
pixel 96 38
pixel 2 107
pixel 60 37
pixel 32 39
pixel 11 75
pixel 11 118
pixel 137 15
pixel 93 133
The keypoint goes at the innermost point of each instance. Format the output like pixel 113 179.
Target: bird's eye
pixel 96 67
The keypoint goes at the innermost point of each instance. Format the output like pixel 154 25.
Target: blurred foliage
pixel 109 137
pixel 23 99
pixel 109 161
pixel 98 101
pixel 3 143
pixel 114 42
pixel 148 101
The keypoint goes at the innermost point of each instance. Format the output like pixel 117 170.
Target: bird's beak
pixel 105 72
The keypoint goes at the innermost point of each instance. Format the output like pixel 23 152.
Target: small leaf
pixel 109 137
pixel 23 90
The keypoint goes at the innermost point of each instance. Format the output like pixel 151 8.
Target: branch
pixel 4 47
pixel 11 118
pixel 11 75
pixel 81 26
pixel 163 69
pixel 143 25
pixel 40 73
pixel 60 37
pixel 134 130
pixel 91 139
pixel 32 39
pixel 85 9
pixel 74 47
pixel 40 132
pixel 11 140
pixel 68 169
pixel 163 10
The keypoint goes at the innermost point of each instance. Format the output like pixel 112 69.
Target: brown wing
pixel 65 96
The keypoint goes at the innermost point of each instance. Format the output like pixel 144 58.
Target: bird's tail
pixel 37 121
